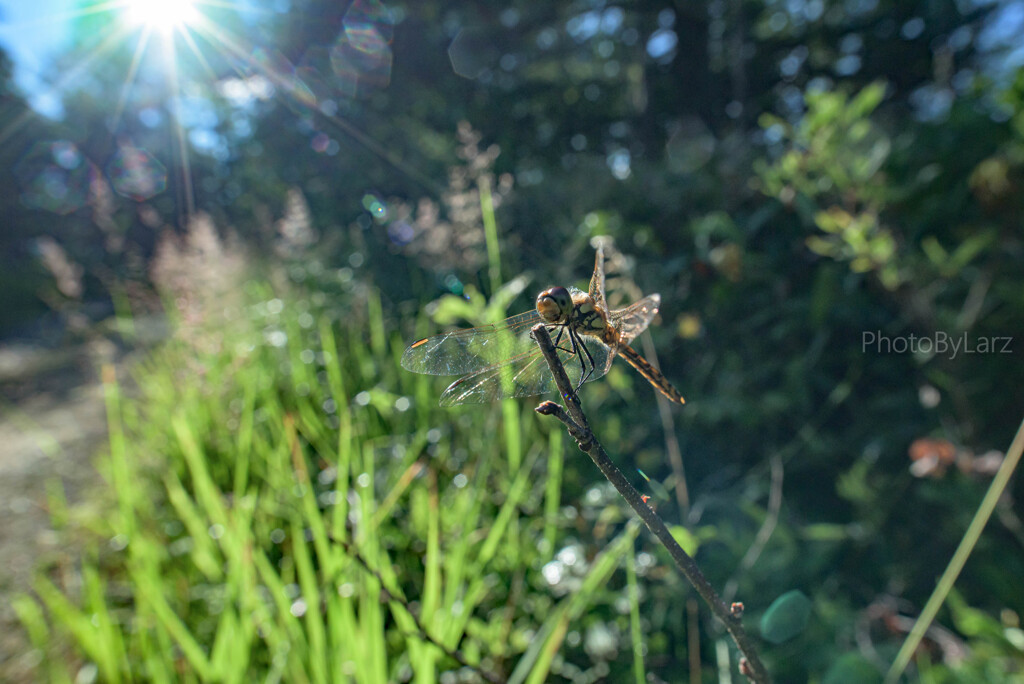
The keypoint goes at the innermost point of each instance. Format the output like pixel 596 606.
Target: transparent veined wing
pixel 472 349
pixel 597 280
pixel 635 318
pixel 528 374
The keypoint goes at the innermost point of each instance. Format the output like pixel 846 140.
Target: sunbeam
pixel 283 77
pixel 140 49
pixel 170 18
pixel 183 153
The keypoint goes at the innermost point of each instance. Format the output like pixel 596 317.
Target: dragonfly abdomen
pixel 652 374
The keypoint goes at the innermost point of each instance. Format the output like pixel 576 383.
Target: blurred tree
pixel 21 277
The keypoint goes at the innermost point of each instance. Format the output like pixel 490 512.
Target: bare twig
pixel 693 637
pixel 763 534
pixel 579 428
pixel 675 454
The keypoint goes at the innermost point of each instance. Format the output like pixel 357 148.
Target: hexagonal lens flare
pixel 136 174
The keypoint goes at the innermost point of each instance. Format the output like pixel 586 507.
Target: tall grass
pixel 286 505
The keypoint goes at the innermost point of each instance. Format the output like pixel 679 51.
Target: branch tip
pixel 546 408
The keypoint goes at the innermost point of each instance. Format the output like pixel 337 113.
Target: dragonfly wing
pixel 527 375
pixel 472 349
pixel 597 280
pixel 523 376
pixel 635 318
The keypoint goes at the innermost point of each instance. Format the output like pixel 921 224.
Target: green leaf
pixel 452 308
pixel 852 668
pixel 686 539
pixel 969 620
pixel 867 100
pixel 786 617
pixel 822 246
pixel 934 251
pixel 825 532
pixel 970 248
pixel 31 617
pixel 497 308
pixel 853 484
pixel 834 220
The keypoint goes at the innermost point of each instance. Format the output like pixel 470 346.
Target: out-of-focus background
pixel 222 222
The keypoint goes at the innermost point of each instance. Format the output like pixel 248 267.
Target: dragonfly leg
pixel 558 338
pixel 577 344
pixel 593 366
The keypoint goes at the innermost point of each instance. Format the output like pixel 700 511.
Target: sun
pixel 161 15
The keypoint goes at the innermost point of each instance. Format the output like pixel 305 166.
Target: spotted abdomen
pixel 652 374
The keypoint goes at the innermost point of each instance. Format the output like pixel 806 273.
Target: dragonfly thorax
pixel 589 319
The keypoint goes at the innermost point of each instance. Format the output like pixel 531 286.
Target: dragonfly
pixel 502 360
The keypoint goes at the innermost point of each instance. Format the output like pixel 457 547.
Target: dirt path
pixel 52 422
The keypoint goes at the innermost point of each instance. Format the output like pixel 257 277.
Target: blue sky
pixel 32 32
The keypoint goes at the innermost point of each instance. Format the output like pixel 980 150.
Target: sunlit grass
pixel 307 512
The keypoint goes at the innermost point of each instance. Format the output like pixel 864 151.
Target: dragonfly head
pixel 554 305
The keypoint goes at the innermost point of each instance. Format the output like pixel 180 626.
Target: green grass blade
pixel 956 563
pixel 553 491
pixel 317 657
pixel 244 439
pixel 535 665
pixel 120 467
pixel 87 636
pixel 204 551
pixel 207 493
pixel 517 492
pixel 490 232
pixel 30 615
pixel 635 632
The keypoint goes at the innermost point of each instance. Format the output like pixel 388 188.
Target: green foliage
pixel 996 647
pixel 472 307
pixel 831 158
pixel 833 148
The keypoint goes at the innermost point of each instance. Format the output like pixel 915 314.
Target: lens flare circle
pixel 54 176
pixel 162 15
pixel 136 174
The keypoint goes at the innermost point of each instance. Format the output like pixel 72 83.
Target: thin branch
pixel 693 638
pixel 675 454
pixel 579 428
pixel 771 519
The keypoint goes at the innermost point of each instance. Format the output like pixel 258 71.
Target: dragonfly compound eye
pixel 554 305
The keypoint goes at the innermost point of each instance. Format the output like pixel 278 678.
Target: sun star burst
pixel 161 15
